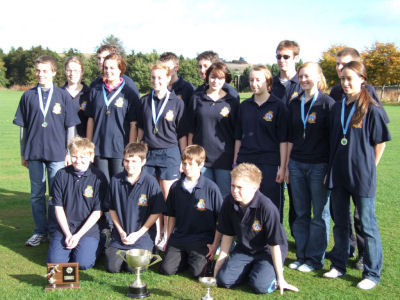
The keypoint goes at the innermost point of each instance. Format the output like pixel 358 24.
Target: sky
pixel 247 28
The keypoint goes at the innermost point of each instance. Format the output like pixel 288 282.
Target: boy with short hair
pixel 182 88
pixel 47 120
pixel 135 204
pixel 204 61
pixel 102 53
pixel 193 205
pixel 261 247
pixel 77 195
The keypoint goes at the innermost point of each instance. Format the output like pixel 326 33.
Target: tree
pixel 188 70
pixel 138 68
pixel 328 64
pixel 383 64
pixel 115 41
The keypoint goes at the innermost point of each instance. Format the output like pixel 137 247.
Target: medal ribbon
pixel 45 109
pixel 303 100
pixel 108 101
pixel 353 108
pixel 153 107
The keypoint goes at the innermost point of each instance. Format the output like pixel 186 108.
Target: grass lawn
pixel 22 269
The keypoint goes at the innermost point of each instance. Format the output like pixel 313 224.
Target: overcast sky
pixel 247 28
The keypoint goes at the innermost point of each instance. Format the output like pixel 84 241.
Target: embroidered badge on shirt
pixel 57 108
pixel 201 205
pixel 169 116
pixel 269 116
pixel 179 96
pixel 358 125
pixel 142 200
pixel 224 111
pixel 294 95
pixel 256 226
pixel 88 191
pixel 119 102
pixel 312 118
pixel 83 105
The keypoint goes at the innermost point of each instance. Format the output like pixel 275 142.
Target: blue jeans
pixel 221 177
pixel 340 199
pixel 37 176
pixel 257 270
pixel 84 253
pixel 308 191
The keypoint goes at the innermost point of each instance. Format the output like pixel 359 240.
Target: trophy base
pixel 138 293
pixel 51 287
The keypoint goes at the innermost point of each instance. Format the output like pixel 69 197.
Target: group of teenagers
pixel 194 171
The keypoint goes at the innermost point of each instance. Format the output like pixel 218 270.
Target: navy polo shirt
pixel 196 213
pixel 46 143
pixel 98 81
pixel 212 124
pixel 133 205
pixel 183 89
pixel 315 147
pixel 338 94
pixel 261 129
pixel 352 166
pixel 288 92
pixel 171 124
pixel 226 87
pixel 80 101
pixel 255 227
pixel 111 131
pixel 79 196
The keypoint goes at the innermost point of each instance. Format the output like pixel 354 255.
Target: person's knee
pixel 85 265
pixel 168 269
pixel 261 287
pixel 223 280
pixel 112 268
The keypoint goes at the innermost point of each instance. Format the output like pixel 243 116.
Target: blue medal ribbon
pixel 108 101
pixel 153 109
pixel 305 117
pixel 345 127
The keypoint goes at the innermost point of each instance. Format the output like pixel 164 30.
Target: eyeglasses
pixel 285 57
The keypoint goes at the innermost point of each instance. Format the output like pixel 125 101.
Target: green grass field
pixel 22 269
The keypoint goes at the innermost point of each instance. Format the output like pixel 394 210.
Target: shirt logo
pixel 179 96
pixel 142 200
pixel 269 116
pixel 57 108
pixel 83 105
pixel 88 191
pixel 120 102
pixel 256 226
pixel 169 116
pixel 201 205
pixel 294 95
pixel 312 118
pixel 224 111
pixel 358 125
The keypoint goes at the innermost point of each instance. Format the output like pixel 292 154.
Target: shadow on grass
pixel 31 279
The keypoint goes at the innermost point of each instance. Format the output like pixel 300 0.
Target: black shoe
pixel 328 255
pixel 360 264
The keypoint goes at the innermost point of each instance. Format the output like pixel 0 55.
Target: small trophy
pixel 62 276
pixel 138 259
pixel 208 282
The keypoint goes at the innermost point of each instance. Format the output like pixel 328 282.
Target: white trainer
pixel 366 284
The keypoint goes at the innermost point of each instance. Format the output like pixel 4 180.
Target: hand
pixel 122 235
pixel 287 175
pixel 132 238
pixel 211 251
pixel 280 175
pixel 283 285
pixel 24 163
pixel 73 241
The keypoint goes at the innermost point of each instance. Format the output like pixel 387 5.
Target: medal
pixel 153 110
pixel 305 117
pixel 44 109
pixel 345 127
pixel 155 130
pixel 108 111
pixel 44 124
pixel 108 101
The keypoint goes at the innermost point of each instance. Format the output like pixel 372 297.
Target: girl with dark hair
pixel 358 133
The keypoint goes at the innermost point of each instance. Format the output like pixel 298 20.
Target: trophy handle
pixel 158 259
pixel 119 254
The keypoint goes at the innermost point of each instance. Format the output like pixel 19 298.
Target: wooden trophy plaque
pixel 62 276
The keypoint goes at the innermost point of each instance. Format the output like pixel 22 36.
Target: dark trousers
pixel 114 263
pixel 180 257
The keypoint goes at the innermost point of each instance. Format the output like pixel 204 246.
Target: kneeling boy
pixel 261 241
pixel 193 205
pixel 135 204
pixel 76 196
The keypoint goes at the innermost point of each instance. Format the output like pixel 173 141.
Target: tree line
pixel 17 66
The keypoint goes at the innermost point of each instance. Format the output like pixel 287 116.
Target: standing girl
pixel 212 117
pixel 358 133
pixel 308 155
pixel 161 127
pixel 261 134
